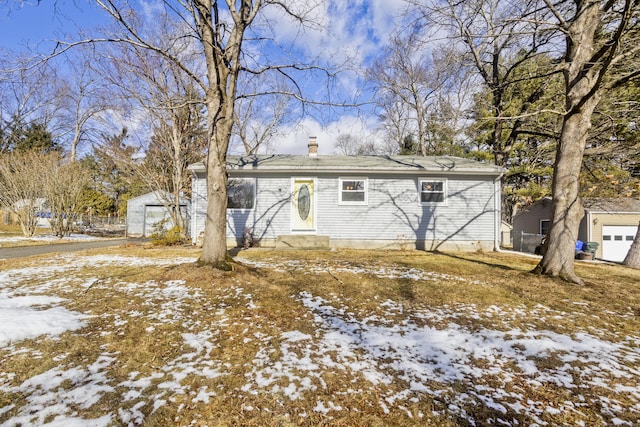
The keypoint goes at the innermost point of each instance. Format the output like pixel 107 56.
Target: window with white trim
pixel 241 193
pixel 433 191
pixel 353 191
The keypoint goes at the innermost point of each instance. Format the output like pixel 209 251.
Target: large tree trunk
pixel 214 248
pixel 558 259
pixel 223 69
pixel 633 257
pixel 582 94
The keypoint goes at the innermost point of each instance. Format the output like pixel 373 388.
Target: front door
pixel 303 205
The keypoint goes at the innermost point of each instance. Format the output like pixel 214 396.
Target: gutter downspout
pixel 194 209
pixel 497 204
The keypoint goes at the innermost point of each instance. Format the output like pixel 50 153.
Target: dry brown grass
pixel 140 327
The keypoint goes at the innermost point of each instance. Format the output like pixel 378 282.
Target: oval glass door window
pixel 304 202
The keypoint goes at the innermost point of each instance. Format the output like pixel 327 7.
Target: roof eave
pixel 197 167
pixel 356 171
pixel 612 212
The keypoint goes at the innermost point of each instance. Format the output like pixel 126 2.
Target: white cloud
pixel 296 138
pixel 341 33
pixel 337 31
pixel 151 9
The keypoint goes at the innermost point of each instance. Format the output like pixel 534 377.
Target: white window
pixel 353 191
pixel 433 191
pixel 241 193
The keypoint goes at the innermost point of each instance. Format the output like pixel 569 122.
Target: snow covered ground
pixel 49 238
pixel 404 355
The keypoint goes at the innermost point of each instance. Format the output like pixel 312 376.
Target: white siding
pixel 198 204
pixel 271 216
pixel 144 211
pixel 135 217
pixel 393 211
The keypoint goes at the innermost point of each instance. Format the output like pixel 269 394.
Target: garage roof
pixel 612 205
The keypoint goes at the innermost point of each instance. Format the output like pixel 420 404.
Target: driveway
pixel 25 251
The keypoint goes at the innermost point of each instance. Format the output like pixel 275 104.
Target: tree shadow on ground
pixel 472 258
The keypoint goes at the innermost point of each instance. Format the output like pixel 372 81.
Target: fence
pixel 526 242
pixel 102 221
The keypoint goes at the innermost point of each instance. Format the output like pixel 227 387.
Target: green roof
pixel 355 164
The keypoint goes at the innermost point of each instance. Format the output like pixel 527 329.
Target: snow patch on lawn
pixel 73 237
pixel 48 402
pixel 406 355
pixel 336 267
pixel 26 313
pixel 440 361
pixel 24 317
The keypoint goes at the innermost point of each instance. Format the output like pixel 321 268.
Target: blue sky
pixel 35 24
pixel 356 30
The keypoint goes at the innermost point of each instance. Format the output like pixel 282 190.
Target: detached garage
pixel 147 213
pixel 610 222
pixel 616 241
pixel 613 224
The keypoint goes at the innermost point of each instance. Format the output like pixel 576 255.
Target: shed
pixel 610 222
pixel 433 203
pixel 506 234
pixel 147 213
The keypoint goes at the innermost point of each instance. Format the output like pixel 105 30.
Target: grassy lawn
pixel 346 338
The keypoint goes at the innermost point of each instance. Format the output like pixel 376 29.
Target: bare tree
pixel 352 145
pixel 83 100
pixel 64 183
pixel 496 39
pixel 222 33
pixel 394 124
pixel 173 107
pixel 67 103
pixel 258 118
pixel 408 78
pixel 602 49
pixel 22 188
pixel 27 95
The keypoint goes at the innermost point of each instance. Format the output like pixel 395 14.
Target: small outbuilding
pixel 506 234
pixel 148 213
pixel 432 202
pixel 610 222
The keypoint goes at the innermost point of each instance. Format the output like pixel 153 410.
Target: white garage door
pixel 616 241
pixel 152 216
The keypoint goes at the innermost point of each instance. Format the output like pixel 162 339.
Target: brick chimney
pixel 313 147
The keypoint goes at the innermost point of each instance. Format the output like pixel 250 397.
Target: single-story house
pixel 610 222
pixel 147 213
pixel 431 203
